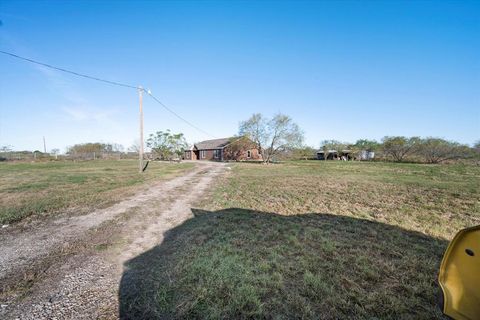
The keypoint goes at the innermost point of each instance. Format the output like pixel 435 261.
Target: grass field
pixel 312 239
pixel 43 188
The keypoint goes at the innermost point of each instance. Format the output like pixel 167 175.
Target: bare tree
pixel 255 128
pixel 5 149
pixel 272 136
pixel 135 147
pixel 55 152
pixel 235 150
pixel 117 147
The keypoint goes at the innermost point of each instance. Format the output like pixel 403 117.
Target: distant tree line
pixel 96 147
pixel 416 149
pixel 279 138
pixel 276 138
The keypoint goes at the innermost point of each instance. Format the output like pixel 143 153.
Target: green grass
pixel 312 239
pixel 433 199
pixel 43 188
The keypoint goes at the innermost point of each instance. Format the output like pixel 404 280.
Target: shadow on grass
pixel 238 263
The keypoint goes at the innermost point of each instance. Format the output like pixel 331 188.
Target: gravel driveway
pixel 70 268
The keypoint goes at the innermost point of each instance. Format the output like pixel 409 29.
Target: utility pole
pixel 140 152
pixel 44 145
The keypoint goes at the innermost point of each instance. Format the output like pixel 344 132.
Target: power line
pixel 177 115
pixel 69 71
pixel 109 82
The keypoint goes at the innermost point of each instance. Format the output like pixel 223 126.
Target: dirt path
pixel 81 281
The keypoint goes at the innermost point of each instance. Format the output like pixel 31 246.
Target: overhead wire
pixel 108 82
pixel 177 115
pixel 69 71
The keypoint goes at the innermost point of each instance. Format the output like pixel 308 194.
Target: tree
pixel 272 136
pixel 90 147
pixel 6 152
pixel 135 147
pixel 303 152
pixel 329 145
pixel 166 144
pixel 367 145
pixel 178 144
pixel 6 149
pixel 333 144
pixel 476 146
pixel 55 152
pixel 159 143
pixel 117 147
pixel 255 129
pixel 436 150
pixel 237 146
pixel 399 147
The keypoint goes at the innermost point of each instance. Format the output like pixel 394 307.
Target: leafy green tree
pixel 178 144
pixel 272 136
pixel 89 147
pixel 400 147
pixel 159 143
pixel 367 145
pixel 304 152
pixel 166 144
pixel 435 150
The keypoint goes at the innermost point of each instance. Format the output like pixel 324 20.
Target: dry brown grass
pixel 39 189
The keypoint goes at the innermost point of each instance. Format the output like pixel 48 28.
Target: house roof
pixel 213 144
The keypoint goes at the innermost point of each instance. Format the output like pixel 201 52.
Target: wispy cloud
pixel 54 80
pixel 81 114
pixel 76 114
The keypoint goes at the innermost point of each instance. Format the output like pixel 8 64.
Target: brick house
pixel 222 150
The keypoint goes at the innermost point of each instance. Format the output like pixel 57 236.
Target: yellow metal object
pixel 459 275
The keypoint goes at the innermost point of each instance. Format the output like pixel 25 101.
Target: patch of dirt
pixel 71 268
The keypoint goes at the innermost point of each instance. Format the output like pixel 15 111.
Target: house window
pixel 216 154
pixel 249 154
pixel 202 154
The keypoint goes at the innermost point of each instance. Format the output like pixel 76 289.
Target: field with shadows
pixel 239 263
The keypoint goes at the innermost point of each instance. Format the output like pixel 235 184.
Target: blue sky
pixel 342 70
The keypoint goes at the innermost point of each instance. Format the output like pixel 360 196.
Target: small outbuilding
pixel 335 155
